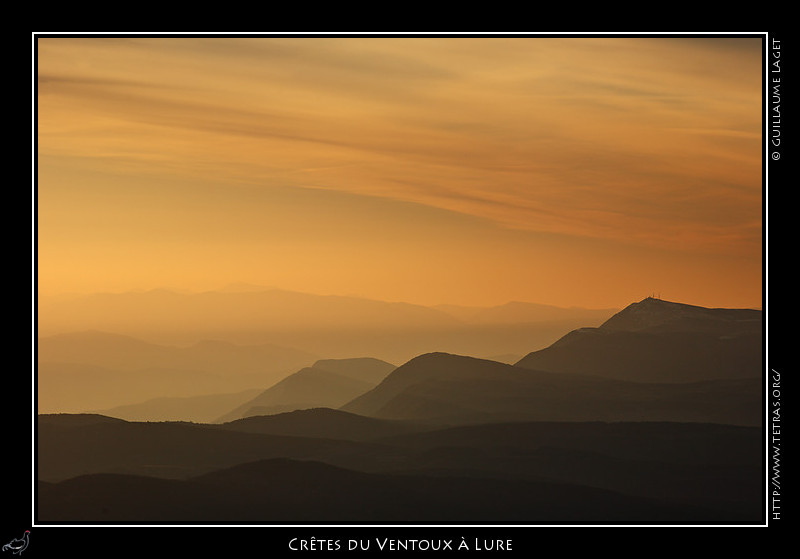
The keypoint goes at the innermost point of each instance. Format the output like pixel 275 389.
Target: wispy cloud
pixel 646 141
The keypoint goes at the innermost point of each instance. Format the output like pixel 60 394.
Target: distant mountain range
pixel 161 310
pixel 327 326
pixel 115 351
pixel 98 370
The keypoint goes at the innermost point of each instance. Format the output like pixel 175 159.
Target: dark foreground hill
pixel 660 341
pixel 169 450
pixel 454 389
pixel 717 466
pixel 713 467
pixel 290 491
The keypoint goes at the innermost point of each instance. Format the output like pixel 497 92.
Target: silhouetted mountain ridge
pixel 660 341
pixel 657 315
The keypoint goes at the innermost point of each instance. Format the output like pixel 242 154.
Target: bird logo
pixel 17 546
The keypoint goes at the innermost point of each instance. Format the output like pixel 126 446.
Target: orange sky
pixel 587 172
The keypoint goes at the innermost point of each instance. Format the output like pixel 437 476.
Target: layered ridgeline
pixel 328 383
pixel 448 437
pixel 653 361
pixel 205 351
pixel 453 389
pixel 660 341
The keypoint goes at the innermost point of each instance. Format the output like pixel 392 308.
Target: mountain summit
pixel 657 315
pixel 660 341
